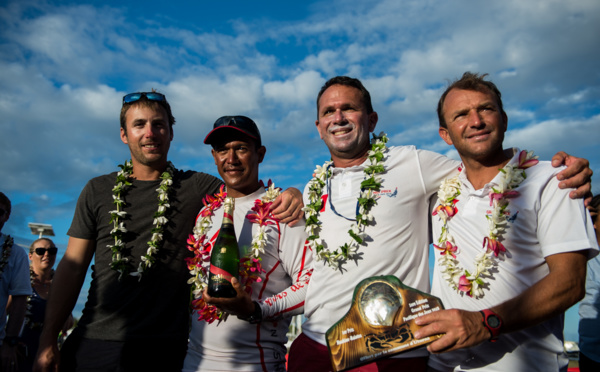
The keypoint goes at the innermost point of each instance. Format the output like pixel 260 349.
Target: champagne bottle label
pixel 220 273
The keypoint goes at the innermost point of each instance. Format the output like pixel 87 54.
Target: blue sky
pixel 65 65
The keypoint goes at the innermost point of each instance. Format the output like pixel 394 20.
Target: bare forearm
pixel 560 289
pixel 16 315
pixel 549 297
pixel 64 292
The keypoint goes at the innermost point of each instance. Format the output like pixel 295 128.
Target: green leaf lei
pixel 120 263
pixel 372 182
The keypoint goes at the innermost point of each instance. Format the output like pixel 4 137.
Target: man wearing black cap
pixel 134 223
pixel 274 269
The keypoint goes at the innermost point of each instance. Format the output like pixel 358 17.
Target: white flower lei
pixel 457 277
pixel 6 249
pixel 372 182
pixel 250 267
pixel 120 263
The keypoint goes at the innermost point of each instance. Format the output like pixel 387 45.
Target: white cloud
pixel 65 68
pixel 298 89
pixel 546 138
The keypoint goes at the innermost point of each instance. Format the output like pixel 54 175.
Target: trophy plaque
pixel 380 322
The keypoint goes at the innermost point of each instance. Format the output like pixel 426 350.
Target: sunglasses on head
pixel 42 251
pixel 152 96
pixel 233 121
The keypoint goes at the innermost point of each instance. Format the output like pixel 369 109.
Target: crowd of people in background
pixel 42 256
pixel 148 228
pixel 25 287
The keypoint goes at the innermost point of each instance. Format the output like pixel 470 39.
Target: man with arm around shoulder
pixel 512 245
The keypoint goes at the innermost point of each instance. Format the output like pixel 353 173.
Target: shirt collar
pixel 462 177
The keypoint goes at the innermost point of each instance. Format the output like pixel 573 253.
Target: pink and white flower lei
pixel 457 277
pixel 250 266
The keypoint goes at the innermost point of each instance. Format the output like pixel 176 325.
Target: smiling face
pixel 344 124
pixel 237 160
pixel 148 136
pixel 44 262
pixel 475 125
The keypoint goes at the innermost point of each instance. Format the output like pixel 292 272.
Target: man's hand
pixel 577 175
pixel 241 305
pixel 460 328
pixel 47 359
pixel 287 208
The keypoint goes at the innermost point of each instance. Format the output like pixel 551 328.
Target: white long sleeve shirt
pixel 236 345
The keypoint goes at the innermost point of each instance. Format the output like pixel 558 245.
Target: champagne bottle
pixel 225 256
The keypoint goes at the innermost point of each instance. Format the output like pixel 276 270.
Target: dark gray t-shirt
pixel 157 306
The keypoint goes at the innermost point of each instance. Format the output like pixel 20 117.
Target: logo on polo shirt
pixel 388 193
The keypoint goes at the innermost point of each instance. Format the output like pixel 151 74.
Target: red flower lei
pixel 250 265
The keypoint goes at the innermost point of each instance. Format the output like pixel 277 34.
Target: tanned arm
pixel 556 292
pixel 66 285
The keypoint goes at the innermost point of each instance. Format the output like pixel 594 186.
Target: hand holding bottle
pixel 240 305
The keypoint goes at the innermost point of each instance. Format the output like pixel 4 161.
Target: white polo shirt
pixel 397 243
pixel 544 221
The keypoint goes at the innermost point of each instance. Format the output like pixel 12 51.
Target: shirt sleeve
pixel 207 184
pixel 20 284
pixel 83 225
pixel 296 258
pixel 434 169
pixel 564 224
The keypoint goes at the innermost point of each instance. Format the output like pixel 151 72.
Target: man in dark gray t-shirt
pixel 135 224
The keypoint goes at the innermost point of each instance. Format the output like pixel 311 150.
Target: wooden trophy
pixel 380 322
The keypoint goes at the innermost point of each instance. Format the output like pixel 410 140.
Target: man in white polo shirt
pixel 394 231
pixel 512 246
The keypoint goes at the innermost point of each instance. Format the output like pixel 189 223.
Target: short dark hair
pixel 145 102
pixel 4 200
pixel 349 82
pixel 469 81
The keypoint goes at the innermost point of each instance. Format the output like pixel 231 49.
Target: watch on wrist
pixel 256 316
pixel 492 322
